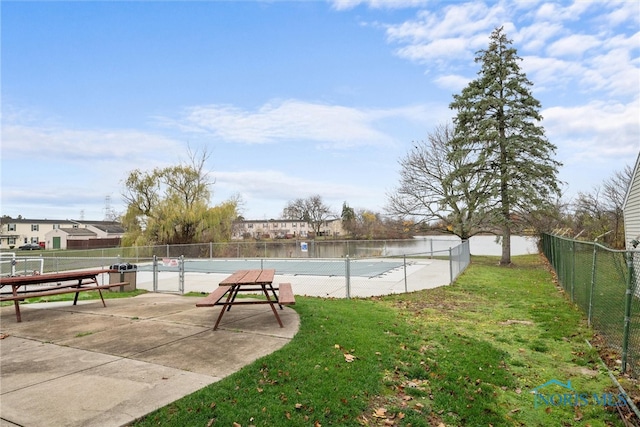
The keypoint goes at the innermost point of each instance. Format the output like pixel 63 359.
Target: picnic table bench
pixel 249 281
pixel 54 284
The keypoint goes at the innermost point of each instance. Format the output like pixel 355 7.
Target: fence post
pixel 347 275
pixel 155 273
pixel 627 311
pixel 572 274
pixel 450 266
pixel 404 257
pixel 181 276
pixel 593 283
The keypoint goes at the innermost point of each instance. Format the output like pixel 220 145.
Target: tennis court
pixel 336 278
pixel 323 267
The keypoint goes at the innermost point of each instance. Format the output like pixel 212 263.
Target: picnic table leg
pixel 233 296
pixel 275 297
pixel 271 303
pixel 225 306
pixel 95 282
pixel 16 304
pixel 75 298
pixel 102 298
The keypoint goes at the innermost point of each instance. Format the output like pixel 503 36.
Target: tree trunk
pixel 506 245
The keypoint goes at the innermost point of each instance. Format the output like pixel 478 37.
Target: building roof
pixel 109 228
pixel 78 231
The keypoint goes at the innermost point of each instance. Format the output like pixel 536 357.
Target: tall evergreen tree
pixel 498 131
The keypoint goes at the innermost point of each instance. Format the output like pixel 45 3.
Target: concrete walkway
pixel 88 365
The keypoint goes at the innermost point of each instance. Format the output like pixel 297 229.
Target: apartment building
pixel 283 229
pixel 59 234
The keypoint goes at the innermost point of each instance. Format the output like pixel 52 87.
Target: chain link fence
pixel 319 268
pixel 604 283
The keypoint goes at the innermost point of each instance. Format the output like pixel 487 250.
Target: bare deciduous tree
pixel 427 191
pixel 312 210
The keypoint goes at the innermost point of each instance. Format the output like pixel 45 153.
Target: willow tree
pixel 171 206
pixel 498 132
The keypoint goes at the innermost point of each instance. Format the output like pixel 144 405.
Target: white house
pixel 631 210
pixel 59 234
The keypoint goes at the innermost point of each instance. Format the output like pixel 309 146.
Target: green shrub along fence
pixel 604 283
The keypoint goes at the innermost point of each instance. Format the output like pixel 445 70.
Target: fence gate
pixel 168 274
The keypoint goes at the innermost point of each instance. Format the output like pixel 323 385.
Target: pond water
pixel 478 245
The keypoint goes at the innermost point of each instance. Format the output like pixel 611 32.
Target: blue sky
pixel 291 99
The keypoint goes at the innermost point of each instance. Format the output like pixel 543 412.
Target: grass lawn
pixel 82 296
pixel 469 354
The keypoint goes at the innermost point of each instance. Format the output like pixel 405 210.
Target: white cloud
pixel 63 143
pixel 548 73
pixel 274 189
pixel 453 82
pixel 277 184
pixel 624 11
pixel 464 21
pixel 328 125
pixel 377 4
pixel 596 130
pixel 573 45
pixel 536 36
pixel 556 12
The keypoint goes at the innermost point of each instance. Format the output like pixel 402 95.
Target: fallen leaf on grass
pixel 380 413
pixel 579 415
pixel 349 357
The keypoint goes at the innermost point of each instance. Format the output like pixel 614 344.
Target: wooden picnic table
pixel 249 281
pixel 54 284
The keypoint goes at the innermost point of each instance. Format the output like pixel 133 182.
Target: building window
pixel 250 225
pixel 56 226
pixel 35 227
pixel 12 240
pixel 12 227
pixel 294 225
pixel 34 240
